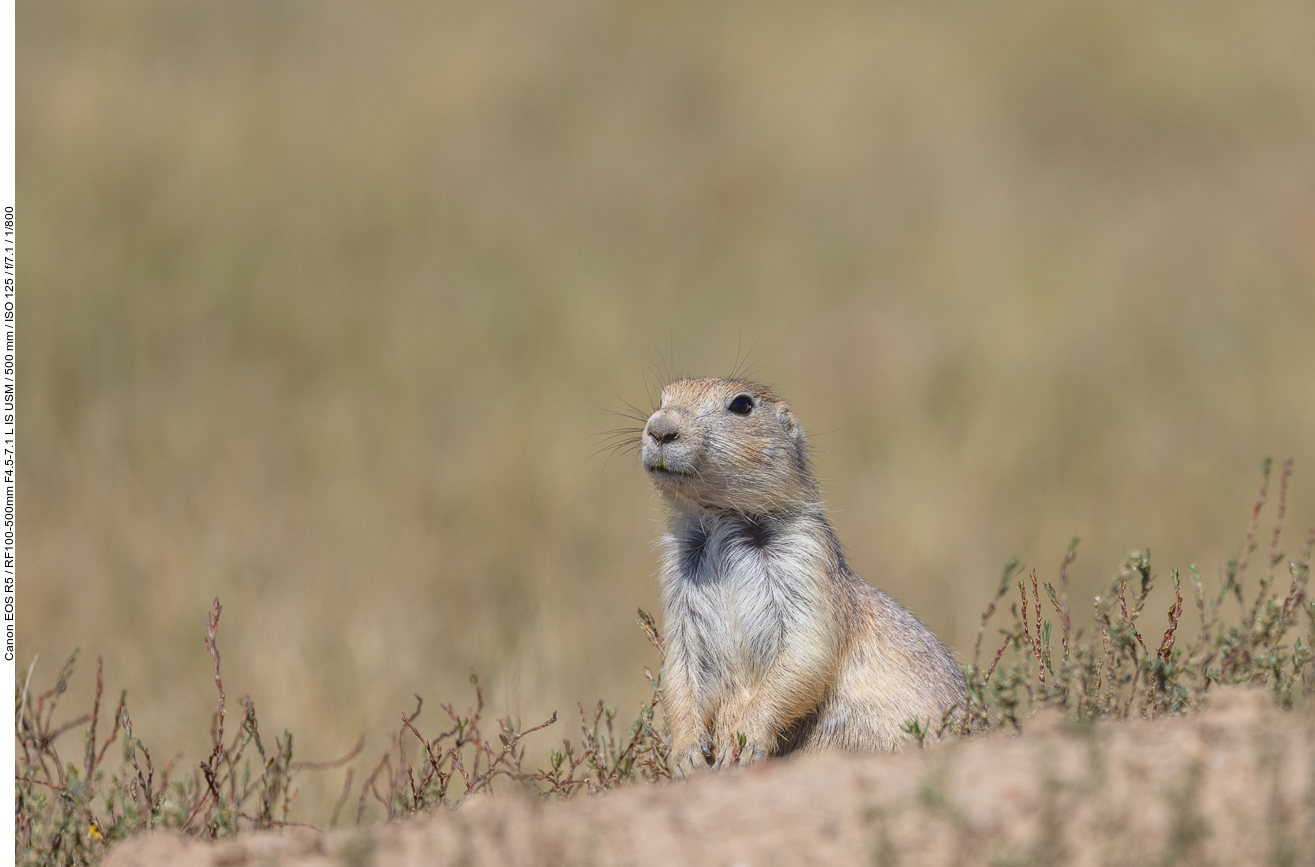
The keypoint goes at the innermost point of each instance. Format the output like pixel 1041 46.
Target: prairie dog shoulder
pixel 770 637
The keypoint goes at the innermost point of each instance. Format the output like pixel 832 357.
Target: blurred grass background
pixel 322 304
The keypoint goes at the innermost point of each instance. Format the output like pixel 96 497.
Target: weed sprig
pixel 68 814
pixel 1119 672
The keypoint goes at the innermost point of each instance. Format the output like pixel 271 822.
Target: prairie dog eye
pixel 741 404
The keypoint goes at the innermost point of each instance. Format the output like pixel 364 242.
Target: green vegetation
pixel 70 811
pixel 1117 672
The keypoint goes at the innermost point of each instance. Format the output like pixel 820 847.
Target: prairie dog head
pixel 727 445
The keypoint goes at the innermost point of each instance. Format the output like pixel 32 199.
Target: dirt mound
pixel 1231 784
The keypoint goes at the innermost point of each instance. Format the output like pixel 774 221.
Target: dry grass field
pixel 323 308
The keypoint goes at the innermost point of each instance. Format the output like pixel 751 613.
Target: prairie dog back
pixel 769 636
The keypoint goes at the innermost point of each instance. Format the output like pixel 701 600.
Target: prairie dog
pixel 769 635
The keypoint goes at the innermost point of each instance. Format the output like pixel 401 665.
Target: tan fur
pixel 768 633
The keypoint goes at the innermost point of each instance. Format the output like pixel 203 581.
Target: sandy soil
pixel 1232 784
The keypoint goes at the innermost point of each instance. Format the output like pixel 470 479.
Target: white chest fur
pixel 736 593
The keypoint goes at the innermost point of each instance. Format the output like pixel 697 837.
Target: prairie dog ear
pixel 791 425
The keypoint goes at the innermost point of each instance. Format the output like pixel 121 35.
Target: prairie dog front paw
pixel 690 758
pixel 739 748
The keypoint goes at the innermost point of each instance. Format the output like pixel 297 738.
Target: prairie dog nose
pixel 663 427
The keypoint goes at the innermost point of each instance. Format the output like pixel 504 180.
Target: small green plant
pixel 68 813
pixel 605 761
pixel 460 762
pixel 1119 671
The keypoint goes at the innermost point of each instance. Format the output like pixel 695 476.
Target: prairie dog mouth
pixel 661 468
pixel 671 459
